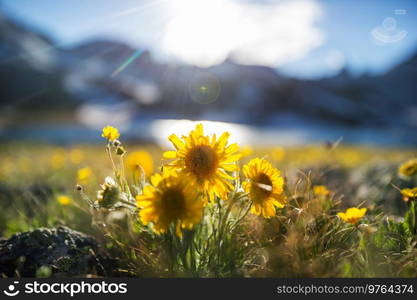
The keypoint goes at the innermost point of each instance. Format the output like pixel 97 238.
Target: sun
pixel 201 32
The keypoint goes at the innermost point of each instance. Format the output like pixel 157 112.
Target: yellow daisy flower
pixel 58 158
pixel 246 151
pixel 409 193
pixel 64 200
pixel 76 156
pixel 83 175
pixel 352 215
pixel 409 168
pixel 265 187
pixel 142 159
pixel 320 190
pixel 171 199
pixel 110 133
pixel 206 159
pixel 278 153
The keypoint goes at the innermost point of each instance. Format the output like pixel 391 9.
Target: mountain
pixel 391 98
pixel 28 73
pixel 101 79
pixel 267 95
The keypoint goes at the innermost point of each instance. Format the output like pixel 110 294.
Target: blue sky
pixel 327 35
pixel 347 26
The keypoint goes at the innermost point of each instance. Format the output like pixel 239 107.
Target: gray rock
pixel 52 252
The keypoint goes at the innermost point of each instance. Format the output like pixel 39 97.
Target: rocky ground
pixel 54 252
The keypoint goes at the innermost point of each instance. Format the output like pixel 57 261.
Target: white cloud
pixel 205 32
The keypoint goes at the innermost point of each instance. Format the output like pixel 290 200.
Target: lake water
pixel 158 130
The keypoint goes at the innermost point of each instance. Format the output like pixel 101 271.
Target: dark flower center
pixel 173 203
pixel 202 161
pixel 261 187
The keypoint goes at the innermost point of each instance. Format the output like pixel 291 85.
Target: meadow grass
pixel 304 238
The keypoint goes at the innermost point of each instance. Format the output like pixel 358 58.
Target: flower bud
pixel 109 194
pixel 120 151
pixel 116 143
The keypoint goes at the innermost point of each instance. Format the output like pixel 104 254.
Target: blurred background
pixel 271 72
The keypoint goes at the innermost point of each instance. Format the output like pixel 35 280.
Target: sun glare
pixel 162 128
pixel 201 31
pixel 205 33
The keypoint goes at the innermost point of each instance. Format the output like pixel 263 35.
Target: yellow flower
pixel 278 153
pixel 349 157
pixel 83 175
pixel 352 215
pixel 320 190
pixel 110 133
pixel 171 199
pixel 246 151
pixel 409 168
pixel 142 159
pixel 58 158
pixel 409 193
pixel 265 187
pixel 64 200
pixel 206 160
pixel 76 156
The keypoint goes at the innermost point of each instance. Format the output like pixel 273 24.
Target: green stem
pixel 128 203
pixel 111 158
